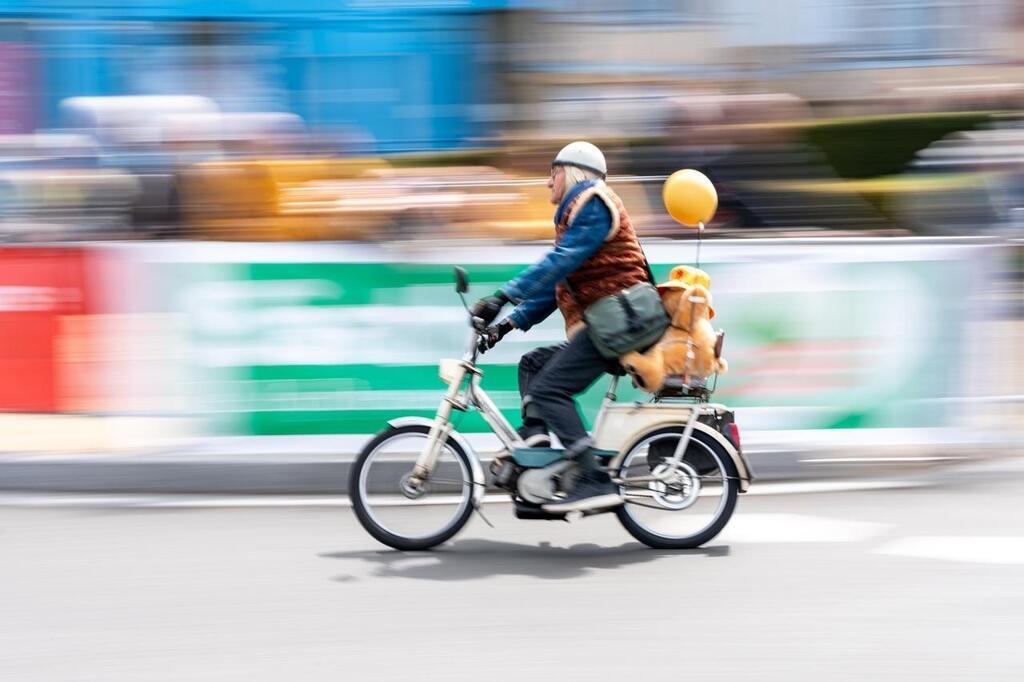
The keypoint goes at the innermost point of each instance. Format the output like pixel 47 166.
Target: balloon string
pixel 700 233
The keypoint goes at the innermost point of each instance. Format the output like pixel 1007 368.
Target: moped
pixel 676 458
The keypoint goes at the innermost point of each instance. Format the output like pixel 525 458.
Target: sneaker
pixel 593 490
pixel 535 436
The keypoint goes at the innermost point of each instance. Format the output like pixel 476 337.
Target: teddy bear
pixel 687 347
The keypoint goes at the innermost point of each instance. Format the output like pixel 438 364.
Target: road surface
pixel 893 584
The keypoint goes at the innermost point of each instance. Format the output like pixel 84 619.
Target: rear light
pixel 732 432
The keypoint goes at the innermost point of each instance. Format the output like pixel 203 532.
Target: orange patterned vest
pixel 617 265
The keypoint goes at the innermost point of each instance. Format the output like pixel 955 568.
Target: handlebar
pixel 477 324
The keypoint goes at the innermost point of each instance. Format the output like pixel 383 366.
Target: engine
pixel 535 486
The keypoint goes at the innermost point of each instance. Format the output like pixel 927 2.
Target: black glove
pixel 489 337
pixel 488 308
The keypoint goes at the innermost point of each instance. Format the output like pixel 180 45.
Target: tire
pixel 364 510
pixel 705 445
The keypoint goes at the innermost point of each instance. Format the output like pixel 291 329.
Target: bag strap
pixel 632 317
pixel 647 269
pixel 647 266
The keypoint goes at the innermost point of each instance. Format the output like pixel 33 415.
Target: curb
pixel 319 474
pixel 163 474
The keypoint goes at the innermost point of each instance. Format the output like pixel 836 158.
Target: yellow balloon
pixel 690 197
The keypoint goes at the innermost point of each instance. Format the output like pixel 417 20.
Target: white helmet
pixel 583 155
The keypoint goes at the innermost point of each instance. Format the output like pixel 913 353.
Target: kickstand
pixel 476 508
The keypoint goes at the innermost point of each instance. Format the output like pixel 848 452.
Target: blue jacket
pixel 533 290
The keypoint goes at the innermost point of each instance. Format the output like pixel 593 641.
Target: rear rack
pixel 676 388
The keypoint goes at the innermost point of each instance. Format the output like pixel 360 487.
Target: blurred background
pixel 234 222
pixel 375 121
pixel 227 233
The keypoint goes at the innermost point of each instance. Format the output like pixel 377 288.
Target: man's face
pixel 556 183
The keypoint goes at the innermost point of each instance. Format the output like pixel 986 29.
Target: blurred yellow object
pixel 522 214
pixel 889 184
pixel 524 211
pixel 689 197
pixel 474 202
pixel 279 199
pixel 368 199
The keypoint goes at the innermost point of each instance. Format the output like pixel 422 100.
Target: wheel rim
pixel 688 505
pixel 434 509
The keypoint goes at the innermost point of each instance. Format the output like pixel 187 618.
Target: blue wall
pixel 406 73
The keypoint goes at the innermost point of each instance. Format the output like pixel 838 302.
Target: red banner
pixel 38 287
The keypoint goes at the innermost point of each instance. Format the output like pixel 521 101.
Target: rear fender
pixel 476 469
pixel 745 473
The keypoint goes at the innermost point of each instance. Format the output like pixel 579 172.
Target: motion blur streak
pixel 229 231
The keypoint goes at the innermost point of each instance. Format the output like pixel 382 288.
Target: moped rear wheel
pixel 394 512
pixel 692 507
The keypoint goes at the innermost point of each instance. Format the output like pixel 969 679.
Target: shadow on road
pixel 475 559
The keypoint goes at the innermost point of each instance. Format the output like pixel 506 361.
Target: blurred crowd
pixel 802 128
pixel 177 167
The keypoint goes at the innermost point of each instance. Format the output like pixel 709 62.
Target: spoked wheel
pixel 693 505
pixel 401 515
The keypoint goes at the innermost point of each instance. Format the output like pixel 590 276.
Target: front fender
pixel 477 470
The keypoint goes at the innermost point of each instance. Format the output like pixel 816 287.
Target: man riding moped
pixel 596 254
pixel 670 469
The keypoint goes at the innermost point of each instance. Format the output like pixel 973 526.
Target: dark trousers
pixel 550 377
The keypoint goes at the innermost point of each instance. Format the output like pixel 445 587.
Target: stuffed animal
pixel 687 348
pixel 688 276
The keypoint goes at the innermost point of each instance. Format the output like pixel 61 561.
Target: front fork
pixel 439 431
pixel 455 399
pixel 438 435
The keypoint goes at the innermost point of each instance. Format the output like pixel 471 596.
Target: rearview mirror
pixel 461 281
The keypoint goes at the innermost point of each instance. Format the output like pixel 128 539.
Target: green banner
pixel 331 339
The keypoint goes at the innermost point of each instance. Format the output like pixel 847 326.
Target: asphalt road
pixel 917 583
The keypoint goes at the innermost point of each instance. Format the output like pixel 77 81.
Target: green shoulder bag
pixel 632 319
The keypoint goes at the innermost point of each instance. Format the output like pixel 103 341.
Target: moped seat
pixel 537 458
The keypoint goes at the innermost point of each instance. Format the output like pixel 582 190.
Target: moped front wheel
pixel 694 502
pixel 410 517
